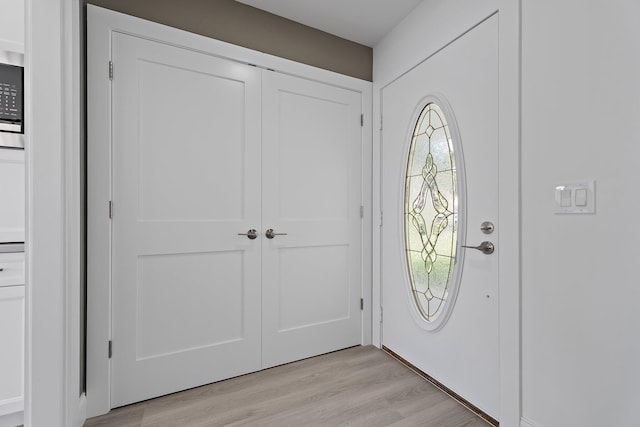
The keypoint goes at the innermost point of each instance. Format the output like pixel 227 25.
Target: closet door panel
pixel 311 197
pixel 186 181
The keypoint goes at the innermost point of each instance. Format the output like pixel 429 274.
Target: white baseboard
pixel 12 420
pixel 527 423
pixel 12 412
pixel 81 415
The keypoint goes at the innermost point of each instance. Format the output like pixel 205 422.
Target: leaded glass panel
pixel 431 212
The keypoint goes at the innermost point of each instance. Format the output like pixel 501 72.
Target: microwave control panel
pixel 11 98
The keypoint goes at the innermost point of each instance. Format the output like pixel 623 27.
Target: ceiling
pixel 362 21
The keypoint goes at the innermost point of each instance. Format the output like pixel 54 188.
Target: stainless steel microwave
pixel 11 99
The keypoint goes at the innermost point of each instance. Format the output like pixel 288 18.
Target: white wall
pixel 581 292
pixel 12 26
pixel 425 30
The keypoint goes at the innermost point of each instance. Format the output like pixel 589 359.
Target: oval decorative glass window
pixel 431 202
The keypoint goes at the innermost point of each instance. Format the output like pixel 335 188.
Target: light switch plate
pixel 575 197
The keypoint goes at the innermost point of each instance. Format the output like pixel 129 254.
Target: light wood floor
pixel 360 386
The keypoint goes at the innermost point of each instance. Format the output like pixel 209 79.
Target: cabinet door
pixel 11 269
pixel 12 25
pixel 12 349
pixel 12 191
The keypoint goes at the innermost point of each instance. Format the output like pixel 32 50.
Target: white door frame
pixel 101 24
pixel 53 85
pixel 509 183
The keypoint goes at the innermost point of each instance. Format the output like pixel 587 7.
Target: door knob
pixel 251 234
pixel 485 247
pixel 271 234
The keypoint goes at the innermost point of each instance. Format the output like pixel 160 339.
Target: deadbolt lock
pixel 487 227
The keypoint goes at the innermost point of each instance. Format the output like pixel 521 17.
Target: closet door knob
pixel 251 234
pixel 271 234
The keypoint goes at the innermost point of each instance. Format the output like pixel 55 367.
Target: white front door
pixel 204 150
pixel 311 191
pixel 461 353
pixel 186 180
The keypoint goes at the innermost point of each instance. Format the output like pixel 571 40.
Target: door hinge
pixel 380 123
pixel 361 303
pixel 110 70
pixel 361 211
pixel 380 218
pixel 361 120
pixel 110 349
pixel 110 209
pixel 380 314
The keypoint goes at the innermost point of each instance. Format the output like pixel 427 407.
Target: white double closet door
pixel 205 149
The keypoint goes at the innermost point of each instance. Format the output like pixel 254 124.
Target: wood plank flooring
pixel 360 386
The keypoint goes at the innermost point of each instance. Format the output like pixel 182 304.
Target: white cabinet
pixel 12 25
pixel 12 350
pixel 12 191
pixel 11 267
pixel 11 338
